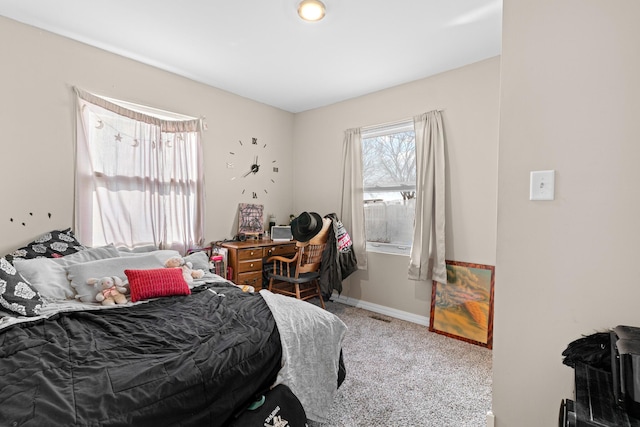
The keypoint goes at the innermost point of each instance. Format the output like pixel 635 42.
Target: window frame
pixel 392 248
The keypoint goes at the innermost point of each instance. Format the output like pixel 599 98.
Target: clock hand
pixel 254 169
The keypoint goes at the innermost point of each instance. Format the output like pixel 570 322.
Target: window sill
pixel 389 248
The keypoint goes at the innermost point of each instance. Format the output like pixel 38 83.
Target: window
pixel 139 176
pixel 389 175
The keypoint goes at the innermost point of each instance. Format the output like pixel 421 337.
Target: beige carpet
pixel 400 374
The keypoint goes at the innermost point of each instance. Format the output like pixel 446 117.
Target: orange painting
pixel 463 308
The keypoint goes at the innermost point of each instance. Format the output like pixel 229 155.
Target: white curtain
pixel 352 203
pixel 427 260
pixel 139 177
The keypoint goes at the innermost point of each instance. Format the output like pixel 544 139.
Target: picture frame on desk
pixel 250 219
pixel 463 308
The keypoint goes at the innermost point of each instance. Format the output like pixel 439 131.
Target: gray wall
pixel 570 101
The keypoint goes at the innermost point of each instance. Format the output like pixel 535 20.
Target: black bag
pixel 279 407
pixel 593 350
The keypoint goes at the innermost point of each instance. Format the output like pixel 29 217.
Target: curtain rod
pixel 392 123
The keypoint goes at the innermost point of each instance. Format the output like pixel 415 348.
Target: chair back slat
pixel 310 258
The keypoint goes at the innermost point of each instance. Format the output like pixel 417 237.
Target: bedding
pixel 315 388
pixel 49 275
pixel 172 361
pixel 198 260
pixel 197 359
pixel 16 295
pixel 78 274
pixel 55 243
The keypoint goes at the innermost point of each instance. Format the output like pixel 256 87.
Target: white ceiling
pixel 261 50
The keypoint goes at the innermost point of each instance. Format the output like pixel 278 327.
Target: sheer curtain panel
pixel 139 176
pixel 427 259
pixel 352 207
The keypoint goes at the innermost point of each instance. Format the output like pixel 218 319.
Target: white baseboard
pixel 381 309
pixel 491 419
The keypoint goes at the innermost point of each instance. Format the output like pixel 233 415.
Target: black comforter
pixel 192 360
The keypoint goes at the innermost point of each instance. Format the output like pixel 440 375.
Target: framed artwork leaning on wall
pixel 463 308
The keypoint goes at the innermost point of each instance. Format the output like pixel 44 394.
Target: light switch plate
pixel 542 185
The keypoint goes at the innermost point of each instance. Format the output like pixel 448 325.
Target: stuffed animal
pixel 112 290
pixel 187 268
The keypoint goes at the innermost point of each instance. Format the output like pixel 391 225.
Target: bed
pixel 196 358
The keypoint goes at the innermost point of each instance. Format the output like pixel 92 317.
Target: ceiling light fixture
pixel 311 10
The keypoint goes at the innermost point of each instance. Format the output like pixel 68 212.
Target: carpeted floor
pixel 400 374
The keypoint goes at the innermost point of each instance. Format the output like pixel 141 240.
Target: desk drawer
pixel 252 278
pixel 254 265
pixel 281 250
pixel 251 253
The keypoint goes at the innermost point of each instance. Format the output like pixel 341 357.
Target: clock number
pixel 254 195
pixel 254 141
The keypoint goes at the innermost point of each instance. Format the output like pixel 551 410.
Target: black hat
pixel 305 226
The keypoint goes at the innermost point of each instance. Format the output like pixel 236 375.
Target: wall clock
pixel 254 169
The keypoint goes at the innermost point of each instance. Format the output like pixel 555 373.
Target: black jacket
pixel 338 258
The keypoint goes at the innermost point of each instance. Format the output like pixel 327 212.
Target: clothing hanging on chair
pixel 338 259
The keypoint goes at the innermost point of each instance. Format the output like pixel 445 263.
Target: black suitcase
pixel 279 407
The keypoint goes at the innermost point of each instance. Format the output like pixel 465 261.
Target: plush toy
pixel 187 268
pixel 112 290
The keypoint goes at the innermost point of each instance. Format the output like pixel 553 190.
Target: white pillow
pixel 141 250
pixel 90 254
pixel 199 260
pixel 49 275
pixel 78 274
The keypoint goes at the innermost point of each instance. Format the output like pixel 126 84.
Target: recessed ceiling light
pixel 311 10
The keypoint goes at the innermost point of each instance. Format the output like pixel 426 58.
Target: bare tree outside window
pixel 389 174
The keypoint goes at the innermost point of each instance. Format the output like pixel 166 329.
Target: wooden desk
pixel 246 259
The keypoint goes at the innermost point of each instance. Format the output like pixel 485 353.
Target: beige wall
pixel 38 127
pixel 469 98
pixel 570 101
pixel 37 114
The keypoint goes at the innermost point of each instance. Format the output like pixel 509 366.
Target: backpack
pixel 279 407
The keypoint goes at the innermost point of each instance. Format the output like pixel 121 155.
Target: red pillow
pixel 158 282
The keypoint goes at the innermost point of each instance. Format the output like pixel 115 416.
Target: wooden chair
pixel 298 276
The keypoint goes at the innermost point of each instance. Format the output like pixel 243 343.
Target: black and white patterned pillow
pixel 16 295
pixel 54 244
